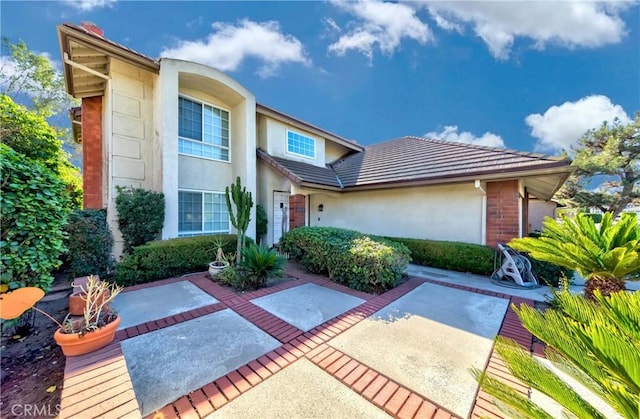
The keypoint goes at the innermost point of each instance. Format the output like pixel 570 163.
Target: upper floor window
pixel 203 130
pixel 301 144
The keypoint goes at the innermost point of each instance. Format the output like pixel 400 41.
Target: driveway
pixel 306 348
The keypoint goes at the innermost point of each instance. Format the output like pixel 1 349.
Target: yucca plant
pixel 260 264
pixel 596 341
pixel 604 255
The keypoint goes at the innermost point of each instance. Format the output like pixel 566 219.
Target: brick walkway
pixel 98 384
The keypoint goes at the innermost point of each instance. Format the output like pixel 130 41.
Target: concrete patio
pixel 303 348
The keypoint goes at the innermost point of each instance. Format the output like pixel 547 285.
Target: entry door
pixel 280 214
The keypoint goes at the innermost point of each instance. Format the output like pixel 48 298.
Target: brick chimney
pixel 93 28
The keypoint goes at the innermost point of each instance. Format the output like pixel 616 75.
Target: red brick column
pixel 92 151
pixel 297 206
pixel 503 221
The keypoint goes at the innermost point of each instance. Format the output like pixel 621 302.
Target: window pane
pixel 301 144
pixel 203 130
pixel 189 211
pixel 189 119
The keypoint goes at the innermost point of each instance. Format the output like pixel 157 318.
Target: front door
pixel 280 214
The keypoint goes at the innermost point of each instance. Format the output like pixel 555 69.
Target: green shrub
pixel 362 262
pixel 140 216
pixel 597 218
pixel 454 256
pixel 34 206
pixel 261 223
pixel 259 264
pixel 547 272
pixel 168 258
pixel 90 244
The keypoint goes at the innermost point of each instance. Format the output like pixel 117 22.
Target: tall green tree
pixel 605 255
pixel 613 152
pixel 595 341
pixel 32 76
pixel 29 134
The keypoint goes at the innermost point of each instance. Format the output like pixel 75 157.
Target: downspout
pixel 483 209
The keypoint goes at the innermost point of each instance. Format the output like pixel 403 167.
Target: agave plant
pixel 604 255
pixel 596 341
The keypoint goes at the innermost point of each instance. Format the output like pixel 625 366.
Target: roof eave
pixel 560 168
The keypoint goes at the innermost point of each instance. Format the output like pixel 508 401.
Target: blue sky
pixel 531 76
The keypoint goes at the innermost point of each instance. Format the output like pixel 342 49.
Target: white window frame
pixel 202 232
pixel 203 102
pixel 315 143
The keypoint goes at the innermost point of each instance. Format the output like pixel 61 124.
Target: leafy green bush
pixel 34 207
pixel 90 244
pixel 168 258
pixel 140 216
pixel 366 263
pixel 597 218
pixel 454 256
pixel 261 223
pixel 547 272
pixel 260 264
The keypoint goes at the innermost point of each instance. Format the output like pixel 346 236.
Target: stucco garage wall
pixel 451 212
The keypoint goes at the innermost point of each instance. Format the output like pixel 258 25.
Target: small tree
pixel 140 216
pixel 605 256
pixel 32 75
pixel 613 152
pixel 243 202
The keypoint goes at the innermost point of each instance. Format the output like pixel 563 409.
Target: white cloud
pixel 379 23
pixel 450 133
pixel 566 23
pixel 229 45
pixel 560 127
pixel 88 5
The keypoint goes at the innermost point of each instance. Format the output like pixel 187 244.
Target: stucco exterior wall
pixel 451 213
pixel 333 151
pixel 268 182
pixel 539 209
pixel 129 139
pixel 274 140
pixel 189 172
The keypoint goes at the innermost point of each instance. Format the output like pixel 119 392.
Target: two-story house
pixel 188 130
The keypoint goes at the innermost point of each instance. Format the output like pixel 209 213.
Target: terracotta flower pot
pixel 77 303
pixel 73 344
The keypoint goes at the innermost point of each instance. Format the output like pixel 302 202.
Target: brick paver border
pixel 106 387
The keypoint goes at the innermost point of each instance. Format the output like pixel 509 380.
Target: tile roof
pixel 302 173
pixel 411 159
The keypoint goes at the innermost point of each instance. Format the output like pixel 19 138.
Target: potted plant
pixel 78 296
pixel 220 264
pixel 80 335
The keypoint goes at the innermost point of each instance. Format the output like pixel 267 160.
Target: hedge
pixel 169 258
pixel 454 256
pixel 362 262
pixel 90 244
pixel 473 258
